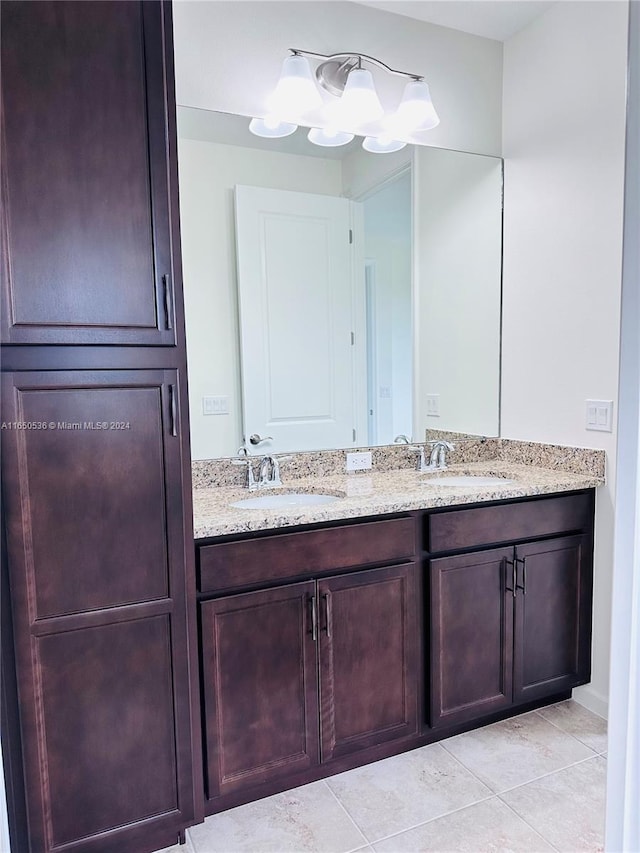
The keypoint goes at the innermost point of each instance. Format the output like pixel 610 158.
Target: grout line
pixel 348 814
pixel 432 819
pixel 546 775
pixel 564 731
pixel 524 820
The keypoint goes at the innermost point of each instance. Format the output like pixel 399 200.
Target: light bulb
pixel 382 144
pixel 329 137
pixel 359 103
pixel 270 127
pixel 416 110
pixel 296 92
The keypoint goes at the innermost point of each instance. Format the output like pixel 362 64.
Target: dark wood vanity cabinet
pixel 87 224
pixel 306 673
pixel 513 624
pixel 99 636
pixel 315 661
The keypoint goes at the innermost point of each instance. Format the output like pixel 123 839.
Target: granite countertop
pixel 375 493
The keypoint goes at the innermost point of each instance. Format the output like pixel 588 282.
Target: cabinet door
pixel 368 659
pixel 260 686
pixel 471 635
pixel 553 616
pixel 86 222
pixel 92 486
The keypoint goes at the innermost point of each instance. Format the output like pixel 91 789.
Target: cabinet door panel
pixel 91 472
pixel 368 659
pixel 471 635
pixel 85 195
pixel 260 687
pixel 96 556
pixel 109 729
pixel 553 616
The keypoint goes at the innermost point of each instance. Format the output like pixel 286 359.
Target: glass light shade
pixel 382 144
pixel 359 103
pixel 328 137
pixel 416 110
pixel 271 127
pixel 296 92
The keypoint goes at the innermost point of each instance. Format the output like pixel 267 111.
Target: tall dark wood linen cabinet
pixel 100 724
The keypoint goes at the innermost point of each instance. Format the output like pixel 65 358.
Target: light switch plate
pixel 433 405
pixel 215 405
pixel 359 461
pixel 599 415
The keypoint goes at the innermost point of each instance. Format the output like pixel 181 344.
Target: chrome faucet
pixel 245 459
pixel 269 472
pixel 438 457
pixel 401 439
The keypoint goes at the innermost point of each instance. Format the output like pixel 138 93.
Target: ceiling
pixel 494 19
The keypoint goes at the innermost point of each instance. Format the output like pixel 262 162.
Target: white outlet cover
pixel 359 461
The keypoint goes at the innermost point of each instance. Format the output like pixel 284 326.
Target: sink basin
pixel 467 480
pixel 284 500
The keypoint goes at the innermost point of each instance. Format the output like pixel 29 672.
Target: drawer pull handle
pixel 512 588
pixel 328 615
pixel 173 402
pixel 523 560
pixel 167 301
pixel 314 619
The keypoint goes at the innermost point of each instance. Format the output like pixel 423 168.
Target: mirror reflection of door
pixel 388 289
pixel 296 283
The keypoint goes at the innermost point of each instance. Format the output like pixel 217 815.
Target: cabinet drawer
pixel 472 528
pixel 252 561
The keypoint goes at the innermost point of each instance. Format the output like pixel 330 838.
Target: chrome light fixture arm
pixel 352 59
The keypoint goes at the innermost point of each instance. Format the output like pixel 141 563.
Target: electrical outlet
pixel 359 461
pixel 215 405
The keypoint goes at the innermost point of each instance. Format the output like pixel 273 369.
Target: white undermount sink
pixel 285 500
pixel 467 480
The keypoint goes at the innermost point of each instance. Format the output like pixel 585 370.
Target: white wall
pixel 564 116
pixel 229 55
pixel 208 174
pixel 457 300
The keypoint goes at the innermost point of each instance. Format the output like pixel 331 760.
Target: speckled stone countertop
pixel 376 493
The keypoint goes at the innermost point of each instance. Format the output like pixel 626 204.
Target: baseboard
pixel 592 700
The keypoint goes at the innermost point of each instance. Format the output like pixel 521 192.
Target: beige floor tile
pixel 515 751
pixel 488 827
pixel 578 721
pixel 567 808
pixel 303 820
pixel 397 793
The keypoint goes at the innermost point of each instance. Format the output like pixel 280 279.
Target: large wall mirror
pixel 336 298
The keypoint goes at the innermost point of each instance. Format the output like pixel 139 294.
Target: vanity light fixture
pixel 329 137
pixel 295 93
pixel 382 144
pixel 353 103
pixel 271 127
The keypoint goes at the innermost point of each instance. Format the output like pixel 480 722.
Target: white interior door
pixel 296 323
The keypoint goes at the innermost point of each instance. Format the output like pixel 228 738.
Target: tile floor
pixel 532 783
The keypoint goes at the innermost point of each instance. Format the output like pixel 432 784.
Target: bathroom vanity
pixel 332 644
